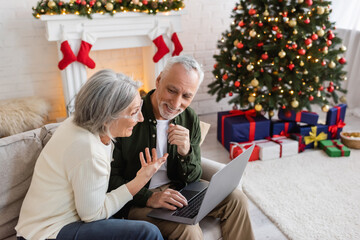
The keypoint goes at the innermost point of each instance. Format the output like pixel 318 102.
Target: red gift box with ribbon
pixel 241 126
pixel 237 148
pixel 335 120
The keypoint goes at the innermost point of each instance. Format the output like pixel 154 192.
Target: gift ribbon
pixel 248 114
pixel 301 144
pixel 337 145
pixel 284 133
pixel 313 138
pixel 339 123
pixel 278 141
pixel 233 148
pixel 298 115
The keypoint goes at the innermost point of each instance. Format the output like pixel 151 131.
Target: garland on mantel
pixel 89 7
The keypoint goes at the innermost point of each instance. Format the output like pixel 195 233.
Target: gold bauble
pixel 302 63
pixel 295 32
pixel 318 94
pixel 271 113
pixel 306 72
pixel 294 103
pixel 98 4
pixel 320 32
pixel 343 48
pixel 109 6
pixel 236 42
pixel 292 23
pixel 252 33
pixel 71 1
pixel 258 107
pixel 250 67
pixel 326 51
pixel 239 7
pixel 254 82
pixel 300 1
pixel 233 58
pixel 51 4
pixel 343 99
pixel 325 108
pixel 338 58
pixel 332 64
pixel 136 2
pixel 320 10
pixel 282 54
pixel 266 13
pixel 317 79
pixel 251 99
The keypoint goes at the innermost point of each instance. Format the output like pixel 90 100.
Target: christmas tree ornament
pixel 239 7
pixel 282 54
pixel 275 28
pixel 109 6
pixel 300 1
pixel 320 10
pixel 343 99
pixel 342 60
pixel 301 64
pixel 291 66
pixel 258 107
pixel 254 82
pixel 295 32
pixel 271 113
pixel 325 50
pixel 156 37
pixel 343 48
pixel 307 21
pixel 250 67
pixel 264 56
pixel 239 65
pixel 252 33
pixel 292 23
pixel 330 89
pixel 51 4
pixel 318 94
pixel 325 108
pixel 306 72
pixel 241 23
pixel 279 35
pixel 266 13
pixel 252 11
pixel 233 58
pixel 309 2
pixel 260 44
pixel 331 35
pixel 87 42
pixel 251 99
pixel 323 63
pixel 236 42
pixel 294 103
pixel 68 55
pixel 237 84
pixel 240 45
pixel 135 2
pixel 225 77
pixel 320 32
pixel 230 94
pixel 317 79
pixel 302 51
pixel 314 36
pixel 328 43
pixel 321 88
pixel 332 65
pixel 311 98
pixel 98 4
pixel 308 41
pixel 260 24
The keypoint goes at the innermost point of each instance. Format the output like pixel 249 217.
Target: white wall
pixel 28 62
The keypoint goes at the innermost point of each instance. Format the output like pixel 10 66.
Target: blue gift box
pixel 236 128
pixel 302 116
pixel 335 118
pixel 282 128
pixel 306 130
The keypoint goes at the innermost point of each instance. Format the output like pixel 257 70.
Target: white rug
pixel 310 195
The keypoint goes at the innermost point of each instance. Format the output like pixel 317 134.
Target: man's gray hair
pixel 101 100
pixel 188 62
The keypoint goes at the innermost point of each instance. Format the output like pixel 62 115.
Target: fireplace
pixel 121 31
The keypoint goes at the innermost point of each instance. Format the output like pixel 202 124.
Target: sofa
pixel 18 154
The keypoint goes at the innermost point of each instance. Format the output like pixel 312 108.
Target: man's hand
pixel 169 198
pixel 179 136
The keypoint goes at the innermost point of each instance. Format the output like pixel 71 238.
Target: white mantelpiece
pixel 123 30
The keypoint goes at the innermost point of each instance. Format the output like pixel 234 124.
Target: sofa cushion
pixel 47 131
pixel 18 154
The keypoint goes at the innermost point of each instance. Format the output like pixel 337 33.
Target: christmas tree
pixel 280 54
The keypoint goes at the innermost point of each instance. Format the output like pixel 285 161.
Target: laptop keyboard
pixel 192 209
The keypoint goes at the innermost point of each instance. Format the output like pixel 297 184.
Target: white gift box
pixel 277 147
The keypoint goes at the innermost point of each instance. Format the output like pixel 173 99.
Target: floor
pixel 263 228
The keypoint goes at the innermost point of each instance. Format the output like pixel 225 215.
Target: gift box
pixel 237 148
pixel 241 126
pixel 282 128
pixel 302 116
pixel 312 135
pixel 334 148
pixel 335 118
pixel 299 139
pixel 278 147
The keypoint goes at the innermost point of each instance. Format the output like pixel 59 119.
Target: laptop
pixel 203 197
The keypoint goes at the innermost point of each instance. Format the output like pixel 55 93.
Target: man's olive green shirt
pixel 181 170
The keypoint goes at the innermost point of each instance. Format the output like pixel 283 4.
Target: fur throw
pixel 19 115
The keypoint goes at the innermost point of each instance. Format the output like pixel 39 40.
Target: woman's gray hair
pixel 188 62
pixel 101 100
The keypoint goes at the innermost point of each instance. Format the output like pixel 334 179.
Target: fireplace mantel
pixel 122 30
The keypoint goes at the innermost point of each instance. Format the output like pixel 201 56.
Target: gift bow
pixel 314 138
pixel 334 128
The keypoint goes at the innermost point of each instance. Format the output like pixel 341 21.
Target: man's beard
pixel 164 114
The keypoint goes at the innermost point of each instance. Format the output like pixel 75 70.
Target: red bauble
pixel 279 35
pixel 311 98
pixel 283 107
pixel 314 37
pixel 225 77
pixel 239 65
pixel 323 27
pixel 323 63
pixel 307 21
pixel 262 70
pixel 264 56
pixel 78 1
pixel 328 42
pixel 309 2
pixel 321 88
pixel 331 83
pixel 308 41
pixel 342 60
pixel 294 45
pixel 237 84
pixel 145 2
pixel 275 28
pixel 240 45
pixel 331 36
pixel 60 3
pixel 241 23
pixel 215 65
pixel 291 66
pixel 260 24
pixel 279 79
pixel 260 44
pixel 302 51
pixel 230 94
pixel 83 3
pixel 330 89
pixel 91 3
pixel 285 14
pixel 252 11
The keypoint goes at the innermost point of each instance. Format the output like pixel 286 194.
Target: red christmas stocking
pixel 69 56
pixel 159 42
pixel 178 47
pixel 87 42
